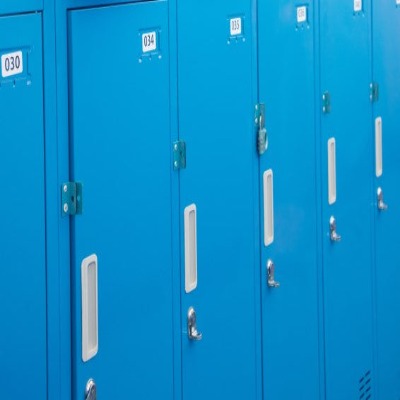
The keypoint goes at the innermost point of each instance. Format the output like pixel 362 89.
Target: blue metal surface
pixel 23 265
pixel 18 6
pixel 216 119
pixel 121 151
pixel 386 66
pixel 290 312
pixel 347 266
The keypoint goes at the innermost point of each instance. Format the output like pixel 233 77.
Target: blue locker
pixel 346 153
pixel 121 243
pixel 218 200
pixel 22 231
pixel 18 6
pixel 386 66
pixel 289 221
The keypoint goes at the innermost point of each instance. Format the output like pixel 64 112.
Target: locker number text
pixel 357 5
pixel 11 64
pixel 236 26
pixel 149 41
pixel 301 14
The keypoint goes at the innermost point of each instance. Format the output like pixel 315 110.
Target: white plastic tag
pixel 357 5
pixel 236 26
pixel 301 14
pixel 149 41
pixel 12 64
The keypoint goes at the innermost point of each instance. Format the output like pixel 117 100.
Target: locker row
pixel 200 199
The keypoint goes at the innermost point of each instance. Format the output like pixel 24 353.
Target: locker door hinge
pixel 262 136
pixel 374 91
pixel 71 198
pixel 326 103
pixel 179 150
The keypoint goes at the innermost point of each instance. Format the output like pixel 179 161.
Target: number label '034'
pixel 12 64
pixel 149 41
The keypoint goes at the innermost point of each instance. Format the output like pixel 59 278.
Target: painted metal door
pixel 17 6
pixel 121 244
pixel 22 229
pixel 346 154
pixel 218 194
pixel 386 66
pixel 289 201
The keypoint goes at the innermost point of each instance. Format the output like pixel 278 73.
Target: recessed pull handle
pixel 271 282
pixel 335 237
pixel 378 147
pixel 193 333
pixel 381 204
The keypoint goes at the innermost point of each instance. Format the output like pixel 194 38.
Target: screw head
pixel 65 207
pixel 175 163
pixel 65 188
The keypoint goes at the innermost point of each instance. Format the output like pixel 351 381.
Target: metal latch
pixel 326 103
pixel 335 237
pixel 193 333
pixel 381 203
pixel 71 198
pixel 179 150
pixel 262 136
pixel 374 91
pixel 271 282
pixel 90 390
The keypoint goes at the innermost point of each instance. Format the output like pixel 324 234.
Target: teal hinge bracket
pixel 71 198
pixel 179 150
pixel 374 91
pixel 326 103
pixel 262 136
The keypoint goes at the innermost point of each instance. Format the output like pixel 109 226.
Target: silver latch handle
pixel 193 333
pixel 335 237
pixel 381 204
pixel 90 390
pixel 271 282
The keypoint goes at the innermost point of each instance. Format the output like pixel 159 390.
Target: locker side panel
pixel 290 311
pixel 121 152
pixel 216 120
pixel 386 64
pixel 346 153
pixel 22 230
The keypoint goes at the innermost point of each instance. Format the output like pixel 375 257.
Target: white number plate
pixel 301 14
pixel 149 41
pixel 357 5
pixel 236 26
pixel 12 64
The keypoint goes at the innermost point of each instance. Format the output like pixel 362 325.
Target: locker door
pixel 22 228
pixel 16 6
pixel 121 244
pixel 346 148
pixel 288 198
pixel 386 64
pixel 218 199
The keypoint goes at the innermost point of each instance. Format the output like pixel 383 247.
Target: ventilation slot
pixel 365 386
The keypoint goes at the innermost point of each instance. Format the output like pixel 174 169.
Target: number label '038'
pixel 236 26
pixel 12 64
pixel 149 41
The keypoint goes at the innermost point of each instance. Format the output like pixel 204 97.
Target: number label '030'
pixel 236 26
pixel 12 64
pixel 149 41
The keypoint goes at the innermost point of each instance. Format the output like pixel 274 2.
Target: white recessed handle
pixel 378 147
pixel 268 181
pixel 90 331
pixel 331 170
pixel 190 223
